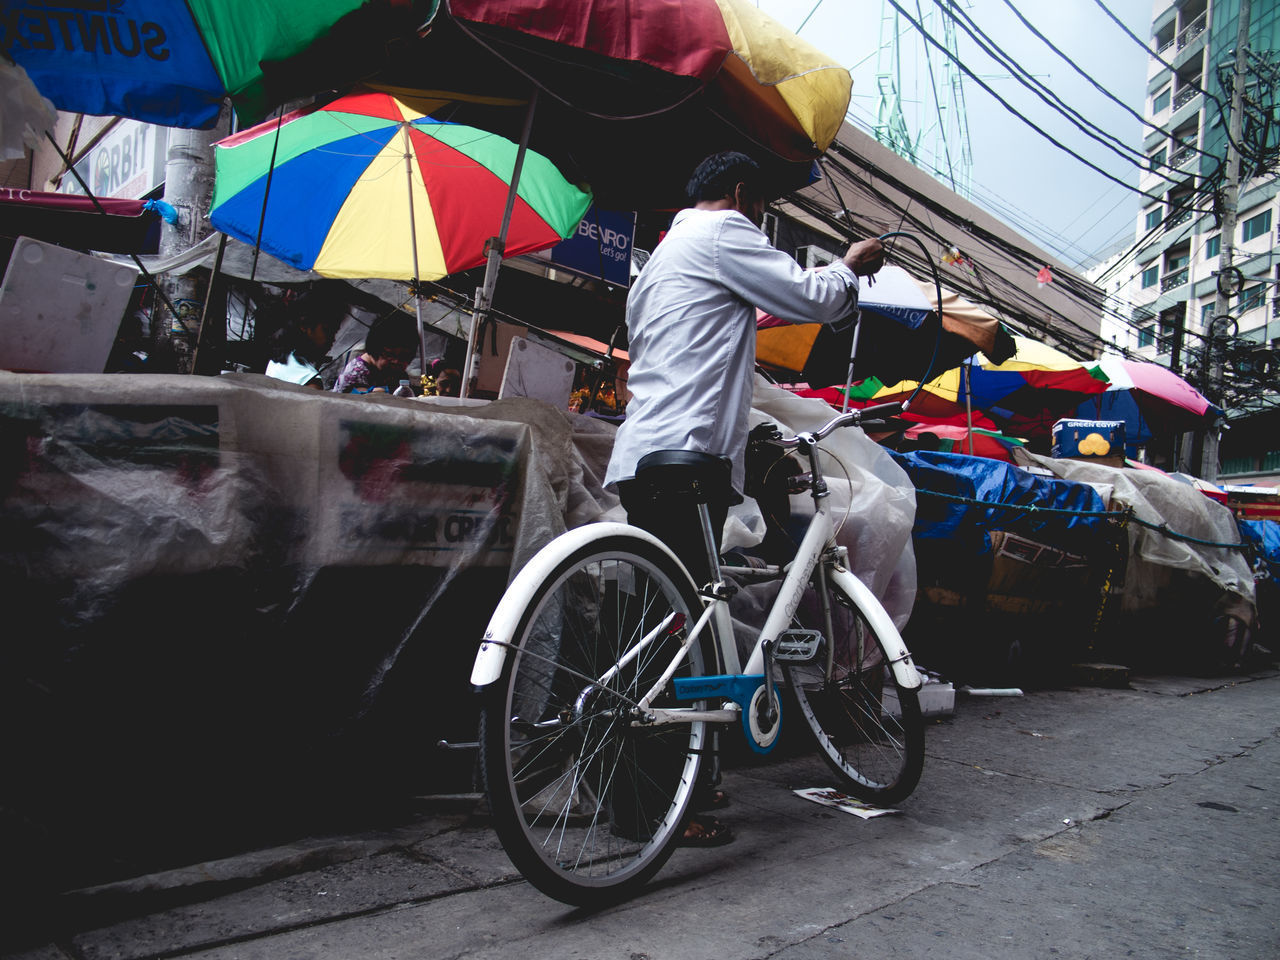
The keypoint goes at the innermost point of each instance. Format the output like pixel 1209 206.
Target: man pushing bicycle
pixel 691 322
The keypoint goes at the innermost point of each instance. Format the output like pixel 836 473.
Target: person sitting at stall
pixel 448 383
pixel 297 350
pixel 389 348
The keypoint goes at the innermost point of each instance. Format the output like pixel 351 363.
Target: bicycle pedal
pixel 797 646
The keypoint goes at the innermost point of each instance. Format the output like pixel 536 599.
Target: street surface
pixel 1080 822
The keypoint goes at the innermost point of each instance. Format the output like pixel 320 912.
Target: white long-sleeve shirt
pixel 691 323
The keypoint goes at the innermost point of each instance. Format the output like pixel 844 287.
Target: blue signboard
pixel 600 247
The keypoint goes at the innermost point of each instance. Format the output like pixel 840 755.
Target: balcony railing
pixel 1165 46
pixel 1174 219
pixel 1193 30
pixel 1185 96
pixel 1175 279
pixel 1182 155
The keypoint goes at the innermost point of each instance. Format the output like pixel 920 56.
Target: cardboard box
pixel 1101 441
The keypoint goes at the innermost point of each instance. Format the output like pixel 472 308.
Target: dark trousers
pixel 672 517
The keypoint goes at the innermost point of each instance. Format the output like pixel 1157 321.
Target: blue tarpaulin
pixel 963 483
pixel 1265 537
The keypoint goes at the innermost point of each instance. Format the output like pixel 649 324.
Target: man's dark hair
pixel 716 176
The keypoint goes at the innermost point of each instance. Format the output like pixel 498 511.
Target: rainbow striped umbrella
pixel 371 186
pixel 1025 395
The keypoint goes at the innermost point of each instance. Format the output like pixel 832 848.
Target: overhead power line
pixel 1113 143
pixel 1013 110
pixel 1099 87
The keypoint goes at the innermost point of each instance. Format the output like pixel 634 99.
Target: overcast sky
pixel 1045 193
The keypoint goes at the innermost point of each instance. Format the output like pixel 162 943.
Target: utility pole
pixel 1230 204
pixel 188 188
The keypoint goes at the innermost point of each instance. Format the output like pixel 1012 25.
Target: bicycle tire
pixel 588 805
pixel 867 727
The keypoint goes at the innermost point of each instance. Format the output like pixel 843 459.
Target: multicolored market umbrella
pixel 1034 388
pixel 370 186
pixel 162 61
pixel 895 342
pixel 1025 395
pixel 1149 398
pixel 976 442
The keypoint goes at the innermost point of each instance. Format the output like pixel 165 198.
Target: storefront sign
pixel 128 162
pixel 600 247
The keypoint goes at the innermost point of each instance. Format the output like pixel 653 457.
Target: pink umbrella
pixel 1149 398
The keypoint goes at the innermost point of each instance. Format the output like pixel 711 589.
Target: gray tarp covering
pixel 1186 581
pixel 1159 499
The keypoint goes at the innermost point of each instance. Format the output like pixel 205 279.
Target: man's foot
pixel 706 832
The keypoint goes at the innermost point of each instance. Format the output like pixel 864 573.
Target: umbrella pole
pixel 968 405
pixel 413 238
pixel 495 249
pixel 853 355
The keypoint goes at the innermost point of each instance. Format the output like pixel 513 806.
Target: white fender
pixel 904 670
pixel 502 625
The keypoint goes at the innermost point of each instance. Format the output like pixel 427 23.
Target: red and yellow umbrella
pixel 768 78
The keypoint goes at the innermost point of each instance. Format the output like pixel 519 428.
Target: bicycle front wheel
pixel 868 729
pixel 588 801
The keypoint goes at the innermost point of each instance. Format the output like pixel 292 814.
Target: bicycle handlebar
pixel 852 418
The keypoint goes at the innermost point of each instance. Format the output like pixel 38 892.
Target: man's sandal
pixel 706 832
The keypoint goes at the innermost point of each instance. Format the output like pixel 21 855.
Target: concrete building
pixel 1161 291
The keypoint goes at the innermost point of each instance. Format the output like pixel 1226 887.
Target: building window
pixel 1251 298
pixel 1255 226
pixel 1153 218
pixel 1161 101
pixel 1150 276
pixel 1146 336
pixel 1156 160
pixel 1212 246
pixel 1233 465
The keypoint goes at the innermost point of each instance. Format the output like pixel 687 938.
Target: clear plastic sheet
pixel 243 601
pixel 871 498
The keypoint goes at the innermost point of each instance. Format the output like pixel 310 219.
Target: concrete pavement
pixel 1081 822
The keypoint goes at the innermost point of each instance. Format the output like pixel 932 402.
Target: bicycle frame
pixel 817 550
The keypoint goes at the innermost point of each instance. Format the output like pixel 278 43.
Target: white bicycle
pixel 604 664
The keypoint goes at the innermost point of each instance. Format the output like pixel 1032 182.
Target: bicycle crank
pixel 761 718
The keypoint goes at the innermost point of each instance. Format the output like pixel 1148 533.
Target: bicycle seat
pixel 688 472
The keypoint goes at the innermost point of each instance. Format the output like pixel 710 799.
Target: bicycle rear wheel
pixel 868 729
pixel 588 803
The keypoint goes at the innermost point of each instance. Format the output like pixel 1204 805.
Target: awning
pixel 71 220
